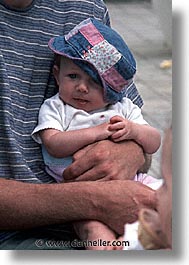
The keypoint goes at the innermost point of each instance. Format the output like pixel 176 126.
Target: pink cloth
pixel 148 180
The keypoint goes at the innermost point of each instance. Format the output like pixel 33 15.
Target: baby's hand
pixel 122 128
pixel 102 131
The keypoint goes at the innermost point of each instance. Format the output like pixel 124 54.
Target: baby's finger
pixel 116 126
pixel 117 135
pixel 115 119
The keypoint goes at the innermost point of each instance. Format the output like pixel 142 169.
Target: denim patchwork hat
pixel 100 52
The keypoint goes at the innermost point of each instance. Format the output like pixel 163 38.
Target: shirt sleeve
pixel 132 112
pixel 50 117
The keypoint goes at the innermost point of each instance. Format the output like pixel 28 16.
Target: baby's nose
pixel 83 87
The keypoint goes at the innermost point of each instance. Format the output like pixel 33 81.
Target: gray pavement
pixel 138 24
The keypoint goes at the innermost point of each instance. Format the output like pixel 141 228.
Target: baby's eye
pixel 72 76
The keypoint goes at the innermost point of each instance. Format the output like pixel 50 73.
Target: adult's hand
pixel 121 201
pixel 105 160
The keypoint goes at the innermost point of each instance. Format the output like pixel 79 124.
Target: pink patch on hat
pixel 114 79
pixel 90 32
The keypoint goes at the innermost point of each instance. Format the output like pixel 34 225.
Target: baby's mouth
pixel 81 100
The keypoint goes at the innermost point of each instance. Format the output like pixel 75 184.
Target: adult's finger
pixel 83 161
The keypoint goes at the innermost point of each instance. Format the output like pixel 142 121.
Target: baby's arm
pixel 62 144
pixel 145 135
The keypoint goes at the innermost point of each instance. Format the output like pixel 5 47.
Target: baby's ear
pixel 56 71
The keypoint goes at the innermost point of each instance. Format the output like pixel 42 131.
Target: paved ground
pixel 137 22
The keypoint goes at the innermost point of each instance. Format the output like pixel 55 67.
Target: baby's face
pixel 77 88
pixel 164 194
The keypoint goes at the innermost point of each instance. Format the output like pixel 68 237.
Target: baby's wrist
pixel 101 133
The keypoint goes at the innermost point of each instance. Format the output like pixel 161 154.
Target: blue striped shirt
pixel 26 78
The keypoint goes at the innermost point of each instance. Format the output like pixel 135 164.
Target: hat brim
pixel 60 47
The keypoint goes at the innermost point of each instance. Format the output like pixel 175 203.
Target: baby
pixel 93 70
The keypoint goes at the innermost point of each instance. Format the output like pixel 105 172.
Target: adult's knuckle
pixel 106 169
pixel 98 156
pixel 102 154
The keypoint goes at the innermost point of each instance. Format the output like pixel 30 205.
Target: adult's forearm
pixel 24 205
pixel 114 203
